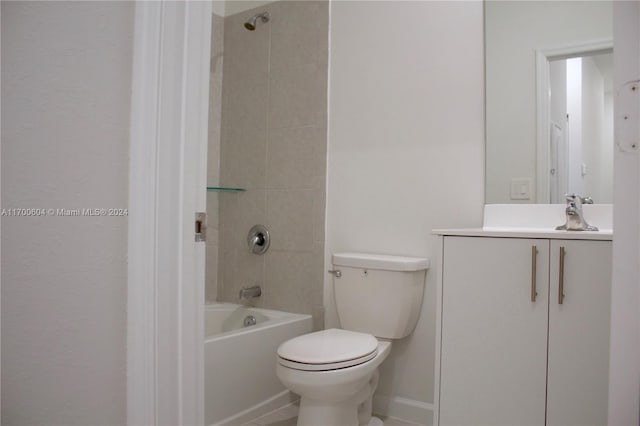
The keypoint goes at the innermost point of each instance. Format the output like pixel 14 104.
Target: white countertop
pixel 527 233
pixel 537 221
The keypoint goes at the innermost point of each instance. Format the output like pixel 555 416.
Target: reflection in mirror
pixel 581 127
pixel 544 61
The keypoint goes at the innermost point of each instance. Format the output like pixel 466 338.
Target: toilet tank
pixel 379 294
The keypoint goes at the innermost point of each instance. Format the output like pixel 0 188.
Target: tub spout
pixel 250 292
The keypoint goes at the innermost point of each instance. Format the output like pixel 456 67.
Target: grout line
pixel 266 161
pixel 300 126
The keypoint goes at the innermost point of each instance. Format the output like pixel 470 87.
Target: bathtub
pixel 240 381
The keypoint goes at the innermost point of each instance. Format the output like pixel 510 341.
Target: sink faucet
pixel 575 217
pixel 250 292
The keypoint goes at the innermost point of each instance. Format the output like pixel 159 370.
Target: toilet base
pixel 310 418
pixel 318 413
pixel 354 412
pixel 340 397
pixel 375 422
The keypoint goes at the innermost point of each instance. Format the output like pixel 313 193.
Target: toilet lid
pixel 327 350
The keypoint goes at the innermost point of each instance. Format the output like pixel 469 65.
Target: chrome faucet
pixel 575 217
pixel 250 292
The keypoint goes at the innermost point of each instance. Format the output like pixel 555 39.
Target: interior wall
pixel 598 180
pixel 558 90
pixel 624 364
pixel 406 150
pixel 66 87
pixel 576 124
pixel 606 148
pixel 559 123
pixel 514 31
pixel 213 157
pixel 273 144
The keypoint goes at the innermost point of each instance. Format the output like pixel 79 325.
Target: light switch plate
pixel 520 189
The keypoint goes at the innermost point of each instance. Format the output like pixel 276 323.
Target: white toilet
pixel 335 371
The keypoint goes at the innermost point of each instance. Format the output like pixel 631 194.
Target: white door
pixel 494 337
pixel 579 333
pixel 558 164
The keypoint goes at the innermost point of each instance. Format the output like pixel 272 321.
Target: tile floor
pixel 288 415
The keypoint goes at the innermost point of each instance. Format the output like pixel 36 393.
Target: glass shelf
pixel 224 189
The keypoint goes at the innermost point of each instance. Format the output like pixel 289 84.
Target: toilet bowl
pixel 336 381
pixel 335 371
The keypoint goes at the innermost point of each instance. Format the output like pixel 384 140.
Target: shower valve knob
pixel 258 239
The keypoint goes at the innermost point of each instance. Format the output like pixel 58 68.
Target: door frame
pixel 543 121
pixel 167 180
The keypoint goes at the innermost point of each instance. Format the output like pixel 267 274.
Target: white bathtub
pixel 240 362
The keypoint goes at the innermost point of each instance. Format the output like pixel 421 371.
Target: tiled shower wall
pixel 213 160
pixel 273 143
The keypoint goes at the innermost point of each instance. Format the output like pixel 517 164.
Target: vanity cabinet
pixel 523 331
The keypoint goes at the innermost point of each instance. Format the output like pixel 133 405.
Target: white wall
pixel 595 143
pixel 624 364
pixel 605 181
pixel 406 149
pixel 66 77
pixel 514 31
pixel 575 124
pixel 558 116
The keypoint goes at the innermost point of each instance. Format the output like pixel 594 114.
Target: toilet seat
pixel 327 350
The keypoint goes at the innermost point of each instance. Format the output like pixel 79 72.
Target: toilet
pixel 335 371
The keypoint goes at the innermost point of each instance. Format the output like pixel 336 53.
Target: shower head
pixel 251 22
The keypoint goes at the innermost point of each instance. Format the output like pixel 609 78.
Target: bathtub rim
pixel 276 318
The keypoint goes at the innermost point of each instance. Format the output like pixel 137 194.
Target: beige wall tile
pixel 212 249
pixel 298 64
pixel 244 105
pixel 299 32
pixel 243 150
pixel 211 273
pixel 244 95
pixel 249 272
pixel 319 203
pixel 247 50
pixel 289 214
pixel 295 157
pixel 317 313
pixel 273 142
pixel 226 279
pixel 213 217
pixel 213 158
pixel 238 213
pixel 213 149
pixel 290 280
pixel 297 95
pixel 217 46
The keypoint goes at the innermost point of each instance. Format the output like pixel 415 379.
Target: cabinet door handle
pixel 561 277
pixel 534 258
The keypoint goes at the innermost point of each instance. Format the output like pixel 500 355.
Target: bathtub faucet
pixel 249 292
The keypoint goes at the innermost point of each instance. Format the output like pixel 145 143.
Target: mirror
pixel 549 100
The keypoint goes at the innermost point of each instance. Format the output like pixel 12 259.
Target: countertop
pixel 537 221
pixel 604 235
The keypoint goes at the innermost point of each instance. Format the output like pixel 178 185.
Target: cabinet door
pixel 579 333
pixel 494 338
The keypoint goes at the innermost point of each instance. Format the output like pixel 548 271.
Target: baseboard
pixel 418 412
pixel 268 405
